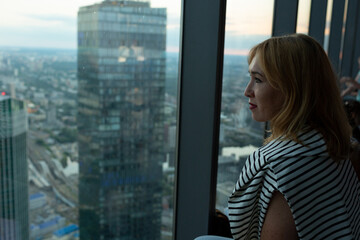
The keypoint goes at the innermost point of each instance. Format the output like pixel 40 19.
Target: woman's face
pixel 264 100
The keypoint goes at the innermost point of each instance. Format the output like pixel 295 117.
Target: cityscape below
pixel 88 136
pixel 45 79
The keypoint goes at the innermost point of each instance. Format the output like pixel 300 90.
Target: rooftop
pixel 36 195
pixel 66 230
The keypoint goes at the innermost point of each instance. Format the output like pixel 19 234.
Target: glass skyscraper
pixel 14 218
pixel 121 84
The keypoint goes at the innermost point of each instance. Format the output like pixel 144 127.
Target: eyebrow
pixel 256 72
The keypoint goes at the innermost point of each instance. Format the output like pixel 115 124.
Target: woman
pixel 300 184
pixel 352 109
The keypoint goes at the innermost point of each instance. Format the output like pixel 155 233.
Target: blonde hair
pixel 298 66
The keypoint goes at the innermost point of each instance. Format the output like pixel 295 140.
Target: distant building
pixel 66 231
pixel 51 114
pixel 47 227
pixel 171 141
pixel 121 92
pixel 12 90
pixel 14 219
pixel 37 200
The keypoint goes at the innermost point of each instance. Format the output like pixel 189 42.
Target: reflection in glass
pixel 121 93
pixel 14 217
pixel 246 25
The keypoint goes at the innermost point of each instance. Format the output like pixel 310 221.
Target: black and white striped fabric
pixel 324 196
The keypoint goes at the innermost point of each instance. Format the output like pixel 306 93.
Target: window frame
pixel 318 19
pixel 337 18
pixel 285 17
pixel 199 99
pixel 351 50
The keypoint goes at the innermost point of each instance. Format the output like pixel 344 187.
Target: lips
pixel 252 106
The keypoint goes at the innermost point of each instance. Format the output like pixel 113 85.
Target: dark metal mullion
pixel 350 43
pixel 356 49
pixel 285 17
pixel 318 20
pixel 201 60
pixel 337 18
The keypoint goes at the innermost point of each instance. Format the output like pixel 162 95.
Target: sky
pixel 53 23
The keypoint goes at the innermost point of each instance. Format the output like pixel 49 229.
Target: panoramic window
pixel 327 25
pixel 303 17
pixel 88 119
pixel 247 23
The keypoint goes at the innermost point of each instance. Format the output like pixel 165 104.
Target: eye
pixel 253 77
pixel 257 80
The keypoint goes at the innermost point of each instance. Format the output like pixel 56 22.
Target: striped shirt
pixel 324 196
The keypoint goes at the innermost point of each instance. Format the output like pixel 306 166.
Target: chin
pixel 259 119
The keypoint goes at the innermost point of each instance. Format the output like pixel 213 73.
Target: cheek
pixel 278 98
pixel 278 101
pixel 273 101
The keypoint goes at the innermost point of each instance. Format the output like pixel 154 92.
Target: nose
pixel 249 92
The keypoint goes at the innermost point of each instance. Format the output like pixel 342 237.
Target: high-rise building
pixel 121 84
pixel 51 120
pixel 14 217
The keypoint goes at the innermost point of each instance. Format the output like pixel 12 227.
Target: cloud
pixel 53 23
pixel 59 19
pixel 40 20
pixel 242 44
pixel 38 36
pixel 39 30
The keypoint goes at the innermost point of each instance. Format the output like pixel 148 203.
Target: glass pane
pixel 303 17
pixel 343 34
pixel 87 119
pixel 328 24
pixel 247 23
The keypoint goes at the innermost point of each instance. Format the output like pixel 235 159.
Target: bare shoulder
pixel 279 223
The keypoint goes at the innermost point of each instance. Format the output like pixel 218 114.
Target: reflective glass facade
pixel 121 84
pixel 14 215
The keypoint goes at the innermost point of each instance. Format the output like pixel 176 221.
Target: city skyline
pixel 52 24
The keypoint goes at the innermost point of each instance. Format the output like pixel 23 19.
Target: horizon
pixel 53 24
pixel 17 48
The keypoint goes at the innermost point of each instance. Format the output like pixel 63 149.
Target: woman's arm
pixel 279 223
